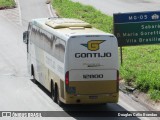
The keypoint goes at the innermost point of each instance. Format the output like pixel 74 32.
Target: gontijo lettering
pixel 93 55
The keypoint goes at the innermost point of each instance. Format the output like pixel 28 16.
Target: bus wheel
pixel 52 91
pixel 32 74
pixel 56 96
pixel 103 104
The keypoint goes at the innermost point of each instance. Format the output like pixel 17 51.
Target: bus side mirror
pixel 25 37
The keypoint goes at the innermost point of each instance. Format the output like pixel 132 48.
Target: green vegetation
pixel 141 64
pixel 155 94
pixel 141 68
pixel 7 3
pixel 68 9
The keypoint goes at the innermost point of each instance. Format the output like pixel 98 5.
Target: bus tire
pixel 103 104
pixel 52 91
pixel 33 74
pixel 56 96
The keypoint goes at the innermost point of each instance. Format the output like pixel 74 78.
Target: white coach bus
pixel 77 63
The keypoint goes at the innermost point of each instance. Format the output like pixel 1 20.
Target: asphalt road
pixel 121 6
pixel 29 11
pixel 17 92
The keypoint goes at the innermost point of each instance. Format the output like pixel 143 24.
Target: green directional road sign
pixel 137 28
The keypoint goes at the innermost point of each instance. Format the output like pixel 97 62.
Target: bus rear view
pixel 75 62
pixel 92 69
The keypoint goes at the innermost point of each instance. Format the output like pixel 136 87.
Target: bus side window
pixel 37 37
pixel 47 41
pixel 62 45
pixel 55 48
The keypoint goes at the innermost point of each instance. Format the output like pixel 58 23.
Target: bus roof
pixel 66 27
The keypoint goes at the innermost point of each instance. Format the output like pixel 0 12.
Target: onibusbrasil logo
pixel 93 45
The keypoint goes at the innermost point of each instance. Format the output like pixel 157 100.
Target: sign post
pixel 121 55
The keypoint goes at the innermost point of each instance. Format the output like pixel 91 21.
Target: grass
pixel 141 68
pixel 141 64
pixel 154 94
pixel 7 3
pixel 68 9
